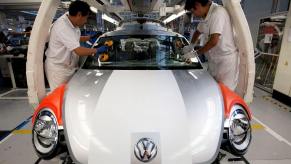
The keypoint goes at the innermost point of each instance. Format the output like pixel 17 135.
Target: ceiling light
pixel 93 9
pixel 279 17
pixel 109 19
pixel 174 16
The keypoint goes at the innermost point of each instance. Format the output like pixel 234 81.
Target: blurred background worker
pixel 64 48
pixel 220 49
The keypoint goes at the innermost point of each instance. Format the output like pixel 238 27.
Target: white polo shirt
pixel 218 21
pixel 64 38
pixel 223 59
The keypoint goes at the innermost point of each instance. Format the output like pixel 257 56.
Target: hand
pixel 101 49
pixel 188 56
pixel 188 48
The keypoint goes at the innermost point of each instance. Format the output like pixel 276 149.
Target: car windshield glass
pixel 142 52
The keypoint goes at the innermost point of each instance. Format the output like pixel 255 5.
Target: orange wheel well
pixel 230 98
pixel 54 101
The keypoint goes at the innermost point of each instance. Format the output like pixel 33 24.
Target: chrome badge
pixel 145 150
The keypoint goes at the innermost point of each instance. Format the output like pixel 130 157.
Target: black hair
pixel 189 4
pixel 28 29
pixel 79 6
pixel 3 38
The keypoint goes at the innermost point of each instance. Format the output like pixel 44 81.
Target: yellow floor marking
pixel 257 126
pixel 23 131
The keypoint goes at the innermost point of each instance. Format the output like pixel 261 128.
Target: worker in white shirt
pixel 220 48
pixel 64 48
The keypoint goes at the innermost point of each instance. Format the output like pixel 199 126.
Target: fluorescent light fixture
pixel 279 17
pixel 66 4
pixel 93 9
pixel 34 13
pixel 174 16
pixel 109 19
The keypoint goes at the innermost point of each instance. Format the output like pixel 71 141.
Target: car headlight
pixel 45 131
pixel 239 128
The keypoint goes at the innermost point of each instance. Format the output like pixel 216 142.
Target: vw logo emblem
pixel 145 150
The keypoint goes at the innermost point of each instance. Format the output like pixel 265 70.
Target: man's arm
pixel 83 51
pixel 84 38
pixel 214 38
pixel 195 36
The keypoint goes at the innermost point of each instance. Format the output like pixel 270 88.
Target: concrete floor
pixel 271 132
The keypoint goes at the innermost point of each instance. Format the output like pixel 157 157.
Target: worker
pixel 3 41
pixel 27 31
pixel 220 48
pixel 62 54
pixel 178 47
pixel 178 43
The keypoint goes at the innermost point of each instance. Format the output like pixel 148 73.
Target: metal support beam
pixel 19 4
pixel 274 6
pixel 125 4
pixel 174 10
pixel 4 2
pixel 157 5
pixel 106 7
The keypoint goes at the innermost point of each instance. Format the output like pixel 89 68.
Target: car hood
pixel 107 112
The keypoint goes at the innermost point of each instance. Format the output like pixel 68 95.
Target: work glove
pixel 188 48
pixel 101 50
pixel 188 56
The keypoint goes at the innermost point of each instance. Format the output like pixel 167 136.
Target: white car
pixel 141 103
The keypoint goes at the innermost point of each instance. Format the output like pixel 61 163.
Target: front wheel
pixel 46 137
pixel 238 148
pixel 239 132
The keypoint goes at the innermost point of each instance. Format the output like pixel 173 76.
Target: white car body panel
pixel 104 125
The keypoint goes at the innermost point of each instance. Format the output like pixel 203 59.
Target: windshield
pixel 142 52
